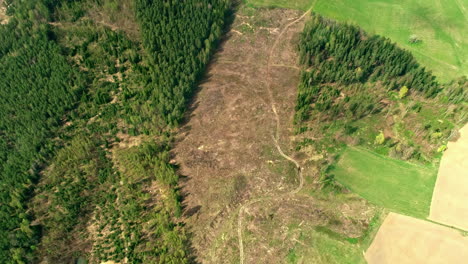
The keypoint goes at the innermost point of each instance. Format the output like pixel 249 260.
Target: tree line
pixel 355 84
pixel 337 54
pixel 179 39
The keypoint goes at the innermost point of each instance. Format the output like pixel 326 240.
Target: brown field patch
pixel 3 17
pixel 228 154
pixel 226 148
pixel 402 239
pixel 450 198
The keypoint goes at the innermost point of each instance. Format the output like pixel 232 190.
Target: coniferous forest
pixel 92 93
pixel 353 79
pixel 37 88
pixel 74 95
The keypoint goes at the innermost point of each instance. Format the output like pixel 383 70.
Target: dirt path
pixel 270 92
pixel 450 198
pixel 276 136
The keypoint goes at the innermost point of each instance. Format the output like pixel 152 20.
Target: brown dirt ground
pixel 3 17
pixel 402 239
pixel 450 198
pixel 227 153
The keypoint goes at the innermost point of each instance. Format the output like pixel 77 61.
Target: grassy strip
pixel 400 186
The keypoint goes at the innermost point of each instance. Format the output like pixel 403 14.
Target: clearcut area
pixel 402 239
pixel 450 199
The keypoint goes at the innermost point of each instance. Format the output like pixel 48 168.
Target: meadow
pixel 291 4
pixel 400 186
pixel 437 28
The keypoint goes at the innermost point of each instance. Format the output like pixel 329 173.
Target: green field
pixel 442 26
pixel 397 185
pixel 322 245
pixel 291 4
pixel 324 249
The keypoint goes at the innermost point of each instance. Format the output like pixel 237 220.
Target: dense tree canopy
pixel 66 89
pixel 341 54
pixel 355 85
pixel 179 39
pixel 37 87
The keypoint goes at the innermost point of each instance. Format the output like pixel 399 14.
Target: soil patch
pixel 402 239
pixel 450 198
pixel 3 17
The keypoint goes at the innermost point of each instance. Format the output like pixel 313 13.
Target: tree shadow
pixel 192 105
pixel 205 77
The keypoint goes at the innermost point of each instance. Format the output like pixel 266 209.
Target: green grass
pixel 291 4
pixel 441 25
pixel 321 247
pixel 397 185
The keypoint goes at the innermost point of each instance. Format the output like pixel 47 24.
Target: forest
pixel 73 93
pixel 37 88
pixel 358 85
pixel 179 39
pixel 90 101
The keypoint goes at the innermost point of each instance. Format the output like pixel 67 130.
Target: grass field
pixel 291 4
pixel 397 185
pixel 323 246
pixel 442 26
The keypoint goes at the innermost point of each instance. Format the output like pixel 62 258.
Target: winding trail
pixel 276 138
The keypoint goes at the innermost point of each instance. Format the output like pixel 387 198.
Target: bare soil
pixel 402 239
pixel 3 17
pixel 228 154
pixel 450 198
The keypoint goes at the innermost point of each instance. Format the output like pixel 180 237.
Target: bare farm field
pixel 450 199
pixel 244 196
pixel 403 239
